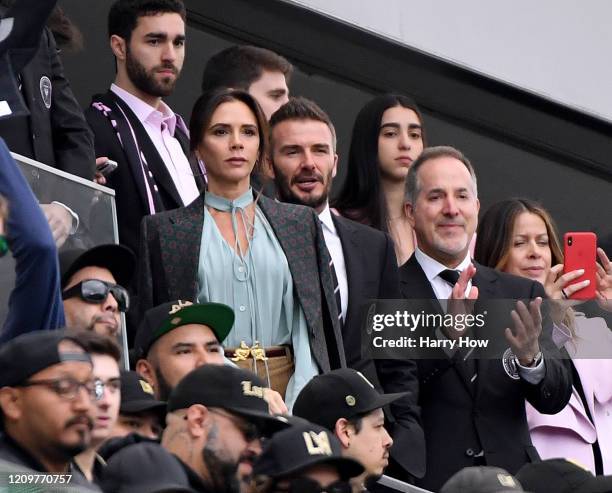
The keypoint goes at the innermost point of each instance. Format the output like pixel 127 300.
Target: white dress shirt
pixel 160 125
pixel 334 246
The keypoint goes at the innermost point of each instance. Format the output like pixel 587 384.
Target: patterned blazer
pixel 169 260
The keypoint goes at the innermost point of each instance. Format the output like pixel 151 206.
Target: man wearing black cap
pixel 305 457
pixel 140 412
pixel 483 479
pixel 561 476
pixel 93 287
pixel 47 396
pixel 346 403
pixel 144 468
pixel 216 416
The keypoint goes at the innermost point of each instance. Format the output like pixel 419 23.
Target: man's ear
pixel 409 211
pixel 118 47
pixel 268 165
pixel 10 403
pixel 343 431
pixel 198 421
pixel 335 168
pixel 145 369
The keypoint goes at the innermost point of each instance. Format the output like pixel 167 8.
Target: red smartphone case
pixel 580 252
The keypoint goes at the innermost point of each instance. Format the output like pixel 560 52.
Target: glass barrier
pixel 93 203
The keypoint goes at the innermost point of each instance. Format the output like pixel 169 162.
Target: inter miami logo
pixel 45 90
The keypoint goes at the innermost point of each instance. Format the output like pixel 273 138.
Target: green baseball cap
pixel 166 317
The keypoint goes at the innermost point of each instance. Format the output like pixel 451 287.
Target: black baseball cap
pixel 301 446
pixel 561 476
pixel 226 387
pixel 482 479
pixel 341 393
pixel 118 259
pixel 137 395
pixel 27 354
pixel 168 316
pixel 144 468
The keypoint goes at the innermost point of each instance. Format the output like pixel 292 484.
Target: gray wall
pixel 555 48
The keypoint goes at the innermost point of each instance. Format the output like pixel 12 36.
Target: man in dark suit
pixel 55 132
pixel 131 123
pixel 303 158
pixel 473 410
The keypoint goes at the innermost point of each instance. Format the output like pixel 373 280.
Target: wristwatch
pixel 534 362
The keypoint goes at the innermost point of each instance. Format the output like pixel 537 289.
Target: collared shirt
pixel 433 268
pixel 160 125
pixel 334 246
pixel 442 289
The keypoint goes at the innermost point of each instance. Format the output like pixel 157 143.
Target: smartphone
pixel 107 167
pixel 580 251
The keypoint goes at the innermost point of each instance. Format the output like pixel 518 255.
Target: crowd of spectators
pixel 242 294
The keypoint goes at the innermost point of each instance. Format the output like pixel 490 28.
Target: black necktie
pixel 450 276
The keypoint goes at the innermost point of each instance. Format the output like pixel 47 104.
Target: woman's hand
pixel 559 292
pixel 604 281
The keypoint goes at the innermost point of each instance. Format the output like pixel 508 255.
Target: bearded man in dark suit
pixel 303 159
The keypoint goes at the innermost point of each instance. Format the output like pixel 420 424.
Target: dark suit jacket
pixel 372 273
pixel 169 257
pixel 127 180
pixel 458 423
pixel 55 133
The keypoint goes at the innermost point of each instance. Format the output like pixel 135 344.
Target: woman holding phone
pixel 518 236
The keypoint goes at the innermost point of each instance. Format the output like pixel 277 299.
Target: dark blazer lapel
pixel 156 164
pixel 183 229
pixel 414 284
pixel 301 257
pixel 127 142
pixel 485 282
pixel 353 264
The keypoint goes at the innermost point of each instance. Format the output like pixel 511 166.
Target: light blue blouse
pixel 258 286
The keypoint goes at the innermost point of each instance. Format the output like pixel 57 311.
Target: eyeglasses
pixel 307 485
pixel 96 291
pixel 3 246
pixel 112 384
pixel 250 431
pixel 68 388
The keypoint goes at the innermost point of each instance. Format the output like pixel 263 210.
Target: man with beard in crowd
pixel 216 418
pixel 179 336
pixel 131 123
pixel 94 285
pixel 47 402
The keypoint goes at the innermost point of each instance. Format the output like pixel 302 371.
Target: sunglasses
pixel 250 431
pixel 96 291
pixel 307 485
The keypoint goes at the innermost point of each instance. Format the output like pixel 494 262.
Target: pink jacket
pixel 570 433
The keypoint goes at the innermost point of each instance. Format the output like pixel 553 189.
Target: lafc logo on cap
pixel 506 480
pixel 146 387
pixel 181 305
pixel 252 390
pixel 317 443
